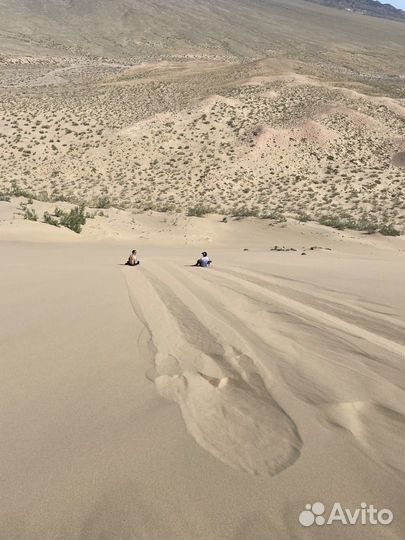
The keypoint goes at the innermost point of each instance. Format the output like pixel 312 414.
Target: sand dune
pixel 170 401
pixel 167 401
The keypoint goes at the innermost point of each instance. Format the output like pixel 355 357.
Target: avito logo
pixel 314 514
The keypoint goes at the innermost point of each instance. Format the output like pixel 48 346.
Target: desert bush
pixel 332 221
pixel 50 220
pixel 198 211
pixel 303 217
pixel 244 211
pixel 169 207
pixel 388 230
pixel 363 224
pixel 30 214
pixel 74 220
pixel 5 197
pixel 366 226
pixel 43 196
pixel 275 216
pixel 282 248
pixel 18 192
pixel 103 202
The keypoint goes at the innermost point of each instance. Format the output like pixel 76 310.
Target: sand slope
pixel 169 401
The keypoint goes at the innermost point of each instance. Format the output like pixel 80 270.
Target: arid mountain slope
pixel 235 28
pixel 242 107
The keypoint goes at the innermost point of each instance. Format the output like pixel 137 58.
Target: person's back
pixel 132 259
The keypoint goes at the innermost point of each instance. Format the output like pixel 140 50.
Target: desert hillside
pixel 251 110
pixel 257 139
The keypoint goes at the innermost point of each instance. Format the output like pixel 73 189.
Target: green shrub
pixel 303 217
pixel 18 192
pixel 30 214
pixel 103 202
pixel 244 211
pixel 275 216
pixel 333 221
pixel 388 230
pixel 50 220
pixel 147 206
pixel 344 221
pixel 74 219
pixel 282 248
pixel 166 208
pixel 367 226
pixel 43 196
pixel 198 211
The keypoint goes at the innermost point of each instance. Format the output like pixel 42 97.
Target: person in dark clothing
pixel 203 261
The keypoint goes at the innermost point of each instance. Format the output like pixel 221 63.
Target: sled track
pixel 245 354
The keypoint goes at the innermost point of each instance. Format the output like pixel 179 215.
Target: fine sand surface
pixel 167 401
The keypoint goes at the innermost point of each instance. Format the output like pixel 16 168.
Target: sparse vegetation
pixel 244 211
pixel 74 219
pixel 157 143
pixel 333 221
pixel 198 211
pixel 282 248
pixel 30 214
pixel 170 164
pixel 51 220
pixel 103 202
pixel 389 230
pixel 303 217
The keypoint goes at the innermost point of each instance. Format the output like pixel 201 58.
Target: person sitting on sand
pixel 204 260
pixel 132 259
